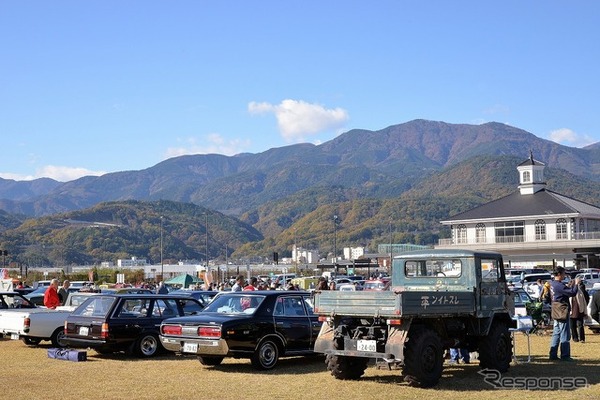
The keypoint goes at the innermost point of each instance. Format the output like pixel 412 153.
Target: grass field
pixel 27 373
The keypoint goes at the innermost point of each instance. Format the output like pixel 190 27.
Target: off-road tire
pixel 30 341
pixel 423 357
pixel 346 368
pixel 204 360
pixel 147 345
pixel 266 355
pixel 495 349
pixel 58 338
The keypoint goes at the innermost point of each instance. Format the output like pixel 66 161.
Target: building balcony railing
pixel 516 239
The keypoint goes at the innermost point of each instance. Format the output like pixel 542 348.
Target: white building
pixel 352 253
pixel 532 226
pixel 302 256
pixel 134 262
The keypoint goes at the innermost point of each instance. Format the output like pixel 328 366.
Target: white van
pixel 589 278
pixel 283 278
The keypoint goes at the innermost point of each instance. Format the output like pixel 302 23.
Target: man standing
pixel 51 299
pixel 561 333
pixel 239 284
pixel 63 292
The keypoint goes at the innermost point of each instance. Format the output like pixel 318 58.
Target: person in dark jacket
pixel 561 333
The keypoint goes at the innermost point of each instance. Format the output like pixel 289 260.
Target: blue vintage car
pixel 259 325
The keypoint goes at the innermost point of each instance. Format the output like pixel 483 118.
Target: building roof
pixel 543 202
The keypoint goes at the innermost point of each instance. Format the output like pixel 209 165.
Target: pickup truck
pixel 437 300
pixel 22 320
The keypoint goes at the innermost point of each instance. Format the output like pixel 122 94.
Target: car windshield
pixel 95 306
pixel 235 304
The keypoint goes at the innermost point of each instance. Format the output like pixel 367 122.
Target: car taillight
pixel 171 330
pixel 104 331
pixel 209 331
pixel 26 324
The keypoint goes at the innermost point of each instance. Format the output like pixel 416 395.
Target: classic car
pixel 259 325
pixel 21 319
pixel 110 323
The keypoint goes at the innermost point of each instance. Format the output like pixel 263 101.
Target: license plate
pixel 84 330
pixel 190 347
pixel 14 336
pixel 366 345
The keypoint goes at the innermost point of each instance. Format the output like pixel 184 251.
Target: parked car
pixel 204 296
pixel 260 325
pixel 110 323
pixel 589 278
pixel 37 296
pixel 20 319
pixel 10 300
pixel 377 284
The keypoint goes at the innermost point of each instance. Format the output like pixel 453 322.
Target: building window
pixel 461 234
pixel 526 176
pixel 540 229
pixel 581 229
pixel 480 233
pixel 561 229
pixel 509 232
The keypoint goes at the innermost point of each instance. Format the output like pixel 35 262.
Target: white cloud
pixel 297 119
pixel 571 138
pixel 59 173
pixel 212 143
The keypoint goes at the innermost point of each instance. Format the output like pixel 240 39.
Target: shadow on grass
pixel 539 374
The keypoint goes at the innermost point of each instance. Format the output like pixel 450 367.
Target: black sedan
pixel 259 325
pixel 129 322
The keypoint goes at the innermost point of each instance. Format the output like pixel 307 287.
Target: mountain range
pixel 416 172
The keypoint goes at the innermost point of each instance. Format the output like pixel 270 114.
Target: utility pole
pixel 335 222
pixel 206 238
pixel 162 266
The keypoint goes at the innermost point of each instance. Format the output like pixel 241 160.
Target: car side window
pixel 165 308
pixel 309 305
pixel 132 308
pixel 190 307
pixel 292 306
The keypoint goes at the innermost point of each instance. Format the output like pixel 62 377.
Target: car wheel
pixel 344 367
pixel 210 360
pixel 147 345
pixel 30 341
pixel 266 355
pixel 58 338
pixel 423 357
pixel 495 349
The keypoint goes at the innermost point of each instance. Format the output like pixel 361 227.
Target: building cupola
pixel 531 176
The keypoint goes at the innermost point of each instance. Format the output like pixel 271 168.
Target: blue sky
pixel 90 87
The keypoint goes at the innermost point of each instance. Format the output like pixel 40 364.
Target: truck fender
pixel 324 341
pixel 396 337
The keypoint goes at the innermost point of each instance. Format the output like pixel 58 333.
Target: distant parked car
pixel 259 325
pixel 377 284
pixel 125 322
pixel 204 296
pixel 37 296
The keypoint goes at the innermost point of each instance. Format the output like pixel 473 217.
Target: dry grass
pixel 28 373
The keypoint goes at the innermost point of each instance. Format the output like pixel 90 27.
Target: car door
pixel 292 322
pixel 314 319
pixel 129 319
